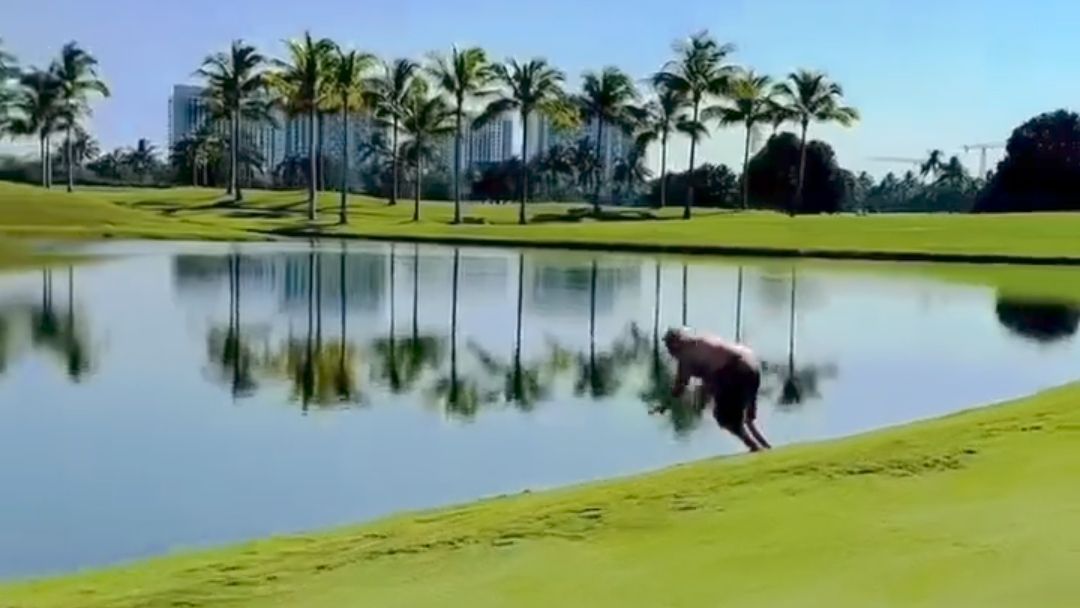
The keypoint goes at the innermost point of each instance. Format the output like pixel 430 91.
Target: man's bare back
pixel 731 374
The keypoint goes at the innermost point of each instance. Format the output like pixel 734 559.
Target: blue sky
pixel 924 74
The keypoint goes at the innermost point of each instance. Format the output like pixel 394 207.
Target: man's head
pixel 674 339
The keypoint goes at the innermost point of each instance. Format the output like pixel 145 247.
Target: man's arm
pixel 682 378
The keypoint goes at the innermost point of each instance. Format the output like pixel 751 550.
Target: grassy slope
pixel 979 508
pixel 189 212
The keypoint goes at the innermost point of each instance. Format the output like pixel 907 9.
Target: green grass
pixel 195 213
pixel 978 508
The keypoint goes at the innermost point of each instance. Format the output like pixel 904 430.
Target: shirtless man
pixel 730 374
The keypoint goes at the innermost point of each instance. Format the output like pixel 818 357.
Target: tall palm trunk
pixel 233 157
pixel 453 330
pixel 592 325
pixel 313 166
pixel 319 145
pixel 791 327
pixel 517 336
pixel 68 160
pixel 457 166
pixel 524 166
pixel 48 161
pixel 343 217
pixel 416 295
pixel 419 179
pixel 746 170
pixel 797 203
pixel 663 170
pixel 690 172
pixel 194 172
pixel 44 162
pixel 394 163
pixel 600 174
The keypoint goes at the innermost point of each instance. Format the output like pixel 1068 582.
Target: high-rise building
pixel 543 136
pixel 492 143
pixel 189 112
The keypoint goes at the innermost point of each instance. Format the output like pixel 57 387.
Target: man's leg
pixel 729 416
pixel 757 434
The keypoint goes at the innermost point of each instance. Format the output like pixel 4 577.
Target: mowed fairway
pixel 979 508
pixel 201 213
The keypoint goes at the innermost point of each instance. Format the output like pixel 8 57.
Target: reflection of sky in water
pixel 150 452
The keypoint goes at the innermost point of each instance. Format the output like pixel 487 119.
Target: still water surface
pixel 185 395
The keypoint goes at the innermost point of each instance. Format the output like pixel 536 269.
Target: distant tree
pixel 83 147
pixel 1041 168
pixel 630 170
pixel 662 117
pixel 37 111
pixel 76 73
pixel 699 73
pixel 530 88
pixel 774 176
pixel 810 96
pixel 235 90
pixel 142 159
pixel 607 99
pixel 387 96
pixel 715 185
pixel 933 164
pixel 347 77
pixel 426 120
pixel 463 75
pixel 302 80
pixel 750 101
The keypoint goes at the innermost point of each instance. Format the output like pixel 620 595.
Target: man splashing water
pixel 729 373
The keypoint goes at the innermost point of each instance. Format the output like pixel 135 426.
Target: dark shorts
pixel 734 390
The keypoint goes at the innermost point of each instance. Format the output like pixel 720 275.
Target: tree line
pixel 416 106
pixel 419 103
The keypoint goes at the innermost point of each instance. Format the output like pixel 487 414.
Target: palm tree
pixel 534 87
pixel 83 147
pixel 302 81
pixel 662 116
pixel 750 104
pixel 426 120
pixel 586 163
pixel 631 170
pixel 463 75
pixel 141 159
pixel 952 173
pixel 777 114
pixel 607 98
pixel 933 164
pixel 346 84
pixel 37 106
pixel 698 74
pixel 235 89
pixel 810 96
pixel 76 72
pixel 388 95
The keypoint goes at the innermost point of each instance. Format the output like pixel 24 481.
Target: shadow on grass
pixel 581 214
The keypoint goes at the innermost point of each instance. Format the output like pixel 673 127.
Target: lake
pixel 172 396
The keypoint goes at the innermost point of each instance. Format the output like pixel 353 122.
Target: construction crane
pixel 982 148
